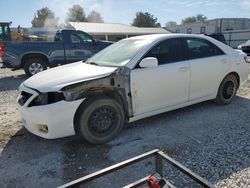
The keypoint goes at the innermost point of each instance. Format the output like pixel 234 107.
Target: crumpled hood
pixel 56 78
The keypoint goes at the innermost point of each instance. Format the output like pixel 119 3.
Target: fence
pixel 235 38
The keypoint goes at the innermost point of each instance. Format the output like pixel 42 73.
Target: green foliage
pixel 145 20
pixel 44 17
pixel 188 20
pixel 194 19
pixel 200 18
pixel 76 14
pixel 94 17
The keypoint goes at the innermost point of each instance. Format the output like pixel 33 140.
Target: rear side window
pixel 168 51
pixel 200 48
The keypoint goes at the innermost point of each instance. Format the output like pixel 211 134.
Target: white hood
pixel 56 78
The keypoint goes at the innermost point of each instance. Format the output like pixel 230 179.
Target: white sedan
pixel 132 79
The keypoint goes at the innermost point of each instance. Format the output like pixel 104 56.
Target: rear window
pixel 200 48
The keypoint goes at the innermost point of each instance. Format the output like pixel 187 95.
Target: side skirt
pixel 170 108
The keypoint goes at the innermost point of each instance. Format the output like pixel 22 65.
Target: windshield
pixel 120 53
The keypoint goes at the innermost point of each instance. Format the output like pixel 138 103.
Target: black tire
pixel 99 119
pixel 37 64
pixel 227 90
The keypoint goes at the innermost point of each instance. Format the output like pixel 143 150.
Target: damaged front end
pixel 116 85
pixel 44 113
pixel 47 98
pixel 31 97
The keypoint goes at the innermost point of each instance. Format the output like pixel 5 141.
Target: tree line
pixel 187 20
pixel 45 17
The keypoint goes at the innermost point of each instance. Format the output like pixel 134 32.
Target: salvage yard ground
pixel 211 140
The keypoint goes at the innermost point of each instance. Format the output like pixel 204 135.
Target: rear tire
pixel 99 119
pixel 227 90
pixel 34 65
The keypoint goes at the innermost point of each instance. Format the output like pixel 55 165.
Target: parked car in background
pixel 68 46
pixel 132 79
pixel 245 47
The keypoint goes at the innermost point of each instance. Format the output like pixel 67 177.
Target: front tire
pixel 34 65
pixel 100 119
pixel 227 90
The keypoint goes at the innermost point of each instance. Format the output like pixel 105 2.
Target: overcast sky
pixel 21 12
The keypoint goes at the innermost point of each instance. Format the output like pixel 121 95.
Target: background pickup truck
pixel 68 46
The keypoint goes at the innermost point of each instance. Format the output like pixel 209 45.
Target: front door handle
pixel 183 69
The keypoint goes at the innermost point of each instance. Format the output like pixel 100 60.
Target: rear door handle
pixel 223 61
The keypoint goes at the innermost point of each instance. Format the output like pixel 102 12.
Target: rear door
pixel 80 46
pixel 162 86
pixel 209 65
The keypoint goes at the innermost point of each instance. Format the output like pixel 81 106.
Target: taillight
pixel 247 59
pixel 1 49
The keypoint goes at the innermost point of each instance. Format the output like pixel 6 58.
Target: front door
pixel 162 86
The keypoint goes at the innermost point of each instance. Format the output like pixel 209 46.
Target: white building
pixel 218 25
pixel 114 32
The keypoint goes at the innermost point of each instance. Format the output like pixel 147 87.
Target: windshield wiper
pixel 91 63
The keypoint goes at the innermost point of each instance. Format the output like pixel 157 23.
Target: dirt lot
pixel 211 140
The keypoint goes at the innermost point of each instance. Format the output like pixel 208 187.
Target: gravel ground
pixel 211 140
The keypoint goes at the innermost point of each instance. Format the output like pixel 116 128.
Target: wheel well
pixel 97 93
pixel 236 76
pixel 34 55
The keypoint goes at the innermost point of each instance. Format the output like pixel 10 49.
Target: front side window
pixel 200 48
pixel 78 37
pixel 167 51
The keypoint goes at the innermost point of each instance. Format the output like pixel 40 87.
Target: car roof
pixel 161 36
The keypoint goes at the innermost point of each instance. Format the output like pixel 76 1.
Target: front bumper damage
pixel 57 116
pixel 51 114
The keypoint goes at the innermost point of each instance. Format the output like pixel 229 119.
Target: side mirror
pixel 148 62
